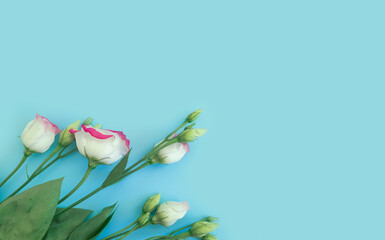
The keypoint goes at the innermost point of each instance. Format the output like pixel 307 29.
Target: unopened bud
pixel 193 116
pixel 189 126
pixel 143 218
pixel 210 219
pixel 200 229
pixel 190 135
pixel 88 121
pixel 209 237
pixel 66 138
pixel 151 204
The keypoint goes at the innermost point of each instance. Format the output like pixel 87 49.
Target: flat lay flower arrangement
pixel 41 213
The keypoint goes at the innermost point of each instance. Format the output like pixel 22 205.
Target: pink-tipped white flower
pixel 170 212
pixel 101 146
pixel 172 153
pixel 39 134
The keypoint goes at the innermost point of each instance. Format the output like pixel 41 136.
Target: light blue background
pixel 292 92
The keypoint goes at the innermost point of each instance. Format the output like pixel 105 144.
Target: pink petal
pixel 186 147
pixel 74 131
pixel 123 137
pixel 95 133
pixel 186 205
pixel 46 121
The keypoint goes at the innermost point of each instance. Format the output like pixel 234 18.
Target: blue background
pixel 292 93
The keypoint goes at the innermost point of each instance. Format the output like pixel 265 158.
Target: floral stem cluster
pixel 102 146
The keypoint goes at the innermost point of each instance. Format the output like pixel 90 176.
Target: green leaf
pixel 94 226
pixel 103 226
pixel 27 216
pixel 64 224
pixel 117 171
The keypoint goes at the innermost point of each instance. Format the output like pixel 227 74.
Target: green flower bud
pixel 88 121
pixel 193 116
pixel 200 229
pixel 189 126
pixel 66 138
pixel 143 218
pixel 98 126
pixel 210 219
pixel 151 204
pixel 190 135
pixel 209 237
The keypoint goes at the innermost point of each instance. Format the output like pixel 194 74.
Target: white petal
pixel 172 153
pixel 36 138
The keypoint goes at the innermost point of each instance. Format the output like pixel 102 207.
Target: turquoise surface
pixel 292 93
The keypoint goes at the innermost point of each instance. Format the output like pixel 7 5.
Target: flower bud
pixel 200 229
pixel 170 212
pixel 39 134
pixel 143 218
pixel 66 138
pixel 190 135
pixel 210 219
pixel 151 204
pixel 88 121
pixel 193 116
pixel 209 237
pixel 98 126
pixel 171 154
pixel 190 126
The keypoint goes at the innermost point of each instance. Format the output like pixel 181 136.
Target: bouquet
pixel 40 213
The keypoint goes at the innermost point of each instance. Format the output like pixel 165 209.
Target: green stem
pixel 96 191
pixel 129 170
pixel 180 229
pixel 56 159
pixel 79 201
pixel 25 156
pixel 157 237
pixel 125 234
pixel 154 151
pixel 177 129
pixel 148 155
pixel 165 237
pixel 120 231
pixel 182 235
pixel 132 171
pixel 39 170
pixel 158 147
pixel 53 153
pixel 88 172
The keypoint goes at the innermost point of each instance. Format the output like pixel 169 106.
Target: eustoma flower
pixel 101 146
pixel 156 155
pixel 170 212
pixel 37 137
pixel 172 153
pixel 39 134
pixel 166 214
